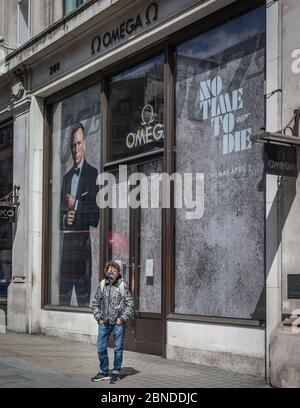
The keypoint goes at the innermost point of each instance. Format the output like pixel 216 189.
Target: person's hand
pixel 70 201
pixel 70 217
pixel 119 321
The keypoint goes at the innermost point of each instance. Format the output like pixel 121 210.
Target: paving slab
pixel 33 361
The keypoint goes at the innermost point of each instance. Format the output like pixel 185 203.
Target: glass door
pixel 135 242
pixel 136 136
pixel 148 266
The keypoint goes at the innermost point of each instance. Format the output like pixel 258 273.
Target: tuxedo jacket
pixel 87 213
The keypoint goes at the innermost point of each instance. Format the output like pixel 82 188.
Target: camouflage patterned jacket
pixel 109 304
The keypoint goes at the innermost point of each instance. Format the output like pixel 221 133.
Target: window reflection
pixel 219 104
pixel 71 5
pixel 137 110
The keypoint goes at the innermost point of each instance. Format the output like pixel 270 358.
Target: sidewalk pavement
pixel 39 361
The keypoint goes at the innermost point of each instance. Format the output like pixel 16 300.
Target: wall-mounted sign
pixel 54 68
pixel 293 286
pixel 149 132
pixel 149 272
pixel 7 215
pixel 149 268
pixel 281 160
pixel 125 29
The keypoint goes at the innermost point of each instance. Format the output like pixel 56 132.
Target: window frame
pixel 109 78
pixel 47 200
pixel 79 3
pixel 204 318
pixel 19 21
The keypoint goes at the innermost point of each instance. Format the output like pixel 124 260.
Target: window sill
pixel 216 320
pixel 67 309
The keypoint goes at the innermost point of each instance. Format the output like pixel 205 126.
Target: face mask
pixel 111 275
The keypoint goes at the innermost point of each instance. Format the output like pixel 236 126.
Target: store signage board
pixel 109 34
pixel 7 215
pixel 127 27
pixel 281 160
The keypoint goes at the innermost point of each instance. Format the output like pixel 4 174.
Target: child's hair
pixel 112 264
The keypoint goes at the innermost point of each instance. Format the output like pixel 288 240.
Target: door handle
pixel 126 266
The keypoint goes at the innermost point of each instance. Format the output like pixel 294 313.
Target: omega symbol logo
pixel 148 132
pixel 281 155
pixel 147 115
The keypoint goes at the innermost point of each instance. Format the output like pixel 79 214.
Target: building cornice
pixel 88 15
pixel 53 27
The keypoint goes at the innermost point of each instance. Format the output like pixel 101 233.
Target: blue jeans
pixel 102 342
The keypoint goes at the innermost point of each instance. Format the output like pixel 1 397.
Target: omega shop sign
pixel 281 160
pixel 148 132
pixel 128 27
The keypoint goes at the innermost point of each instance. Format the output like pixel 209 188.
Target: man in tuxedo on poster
pixel 79 212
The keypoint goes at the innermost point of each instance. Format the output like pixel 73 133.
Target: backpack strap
pixel 102 283
pixel 121 287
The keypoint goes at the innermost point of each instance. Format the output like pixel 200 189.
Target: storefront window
pixel 24 21
pixel 75 214
pixel 6 187
pixel 137 110
pixel 219 105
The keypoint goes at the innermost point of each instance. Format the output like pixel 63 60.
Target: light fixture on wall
pixel 11 199
pixel 281 137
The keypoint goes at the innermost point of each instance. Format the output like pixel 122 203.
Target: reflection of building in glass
pixel 130 92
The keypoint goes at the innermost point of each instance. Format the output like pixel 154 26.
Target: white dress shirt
pixel 75 182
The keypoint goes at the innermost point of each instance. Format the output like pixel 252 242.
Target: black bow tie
pixel 76 171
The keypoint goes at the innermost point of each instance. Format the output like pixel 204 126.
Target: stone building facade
pixel 156 87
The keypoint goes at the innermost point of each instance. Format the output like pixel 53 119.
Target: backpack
pixel 121 287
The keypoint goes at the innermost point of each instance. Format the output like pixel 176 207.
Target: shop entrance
pixel 135 130
pixel 135 242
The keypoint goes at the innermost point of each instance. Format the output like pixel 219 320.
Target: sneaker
pixel 100 377
pixel 115 378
